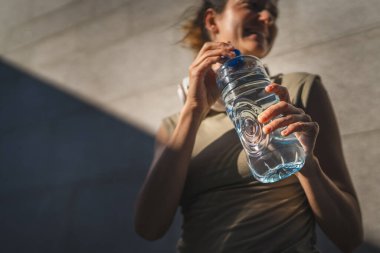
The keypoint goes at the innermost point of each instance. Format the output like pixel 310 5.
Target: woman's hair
pixel 196 33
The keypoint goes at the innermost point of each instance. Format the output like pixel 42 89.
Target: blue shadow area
pixel 69 173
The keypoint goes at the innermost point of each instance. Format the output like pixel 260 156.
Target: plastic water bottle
pixel 271 157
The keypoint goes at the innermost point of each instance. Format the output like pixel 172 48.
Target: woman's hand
pixel 203 91
pixel 294 119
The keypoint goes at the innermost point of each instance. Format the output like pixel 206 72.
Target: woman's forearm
pixel 162 189
pixel 336 211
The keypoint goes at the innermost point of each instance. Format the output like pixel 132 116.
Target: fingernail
pixel 267 129
pixel 284 133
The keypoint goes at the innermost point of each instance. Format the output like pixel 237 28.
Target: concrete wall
pixel 85 84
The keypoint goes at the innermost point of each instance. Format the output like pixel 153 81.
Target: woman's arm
pixel 326 180
pixel 325 177
pixel 162 189
pixel 161 192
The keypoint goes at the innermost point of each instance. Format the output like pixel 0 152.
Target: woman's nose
pixel 266 17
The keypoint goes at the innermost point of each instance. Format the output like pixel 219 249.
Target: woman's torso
pixel 226 210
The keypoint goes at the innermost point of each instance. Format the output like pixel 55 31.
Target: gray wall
pixel 84 84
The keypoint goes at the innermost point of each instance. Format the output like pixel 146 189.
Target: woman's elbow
pixel 148 232
pixel 351 246
pixel 355 241
pixel 148 235
pixel 358 239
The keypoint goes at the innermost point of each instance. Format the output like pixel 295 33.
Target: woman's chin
pixel 256 50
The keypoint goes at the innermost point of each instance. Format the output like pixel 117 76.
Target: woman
pixel 199 163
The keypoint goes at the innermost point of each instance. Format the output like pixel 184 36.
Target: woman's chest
pixel 218 158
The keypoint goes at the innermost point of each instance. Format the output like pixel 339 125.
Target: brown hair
pixel 196 33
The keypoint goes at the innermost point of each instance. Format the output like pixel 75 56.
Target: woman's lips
pixel 251 31
pixel 255 36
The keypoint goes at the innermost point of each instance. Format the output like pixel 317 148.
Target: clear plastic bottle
pixel 271 157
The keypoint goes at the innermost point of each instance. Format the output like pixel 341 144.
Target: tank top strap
pixel 170 122
pixel 298 84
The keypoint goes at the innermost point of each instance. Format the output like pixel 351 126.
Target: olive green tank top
pixel 225 209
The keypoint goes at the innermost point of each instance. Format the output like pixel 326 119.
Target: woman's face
pixel 248 24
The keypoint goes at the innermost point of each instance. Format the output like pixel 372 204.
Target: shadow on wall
pixel 69 173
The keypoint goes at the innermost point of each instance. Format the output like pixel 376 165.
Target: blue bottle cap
pixel 226 58
pixel 235 61
pixel 237 52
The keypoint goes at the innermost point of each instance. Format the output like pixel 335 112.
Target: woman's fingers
pixel 213 45
pixel 291 117
pixel 279 90
pixel 198 70
pixel 312 128
pixel 285 121
pixel 210 54
pixel 221 51
pixel 203 91
pixel 281 108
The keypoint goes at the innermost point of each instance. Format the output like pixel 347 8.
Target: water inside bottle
pixel 271 157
